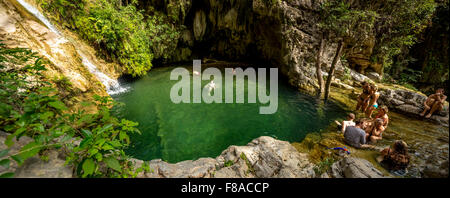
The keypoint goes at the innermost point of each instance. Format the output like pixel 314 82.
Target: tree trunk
pixel 333 66
pixel 318 68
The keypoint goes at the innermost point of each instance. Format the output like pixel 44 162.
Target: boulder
pixel 35 167
pixel 351 167
pixel 263 157
pixel 411 103
pixel 374 76
pixel 267 157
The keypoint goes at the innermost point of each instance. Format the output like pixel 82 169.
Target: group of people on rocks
pixel 364 132
pixel 359 133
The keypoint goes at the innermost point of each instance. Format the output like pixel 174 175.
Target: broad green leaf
pixel 85 142
pixel 106 127
pixel 100 142
pixel 107 147
pixel 58 105
pixel 124 136
pixel 99 157
pixel 113 163
pixel 5 163
pixel 7 175
pixel 3 153
pixel 115 143
pixel 88 167
pixel 92 151
pixel 9 140
pixel 86 133
pixel 30 150
pixel 18 159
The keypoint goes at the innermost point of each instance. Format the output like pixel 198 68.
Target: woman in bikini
pixel 374 133
pixel 382 114
pixel 372 104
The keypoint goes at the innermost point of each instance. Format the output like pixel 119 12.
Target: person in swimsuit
pixel 372 104
pixel 382 114
pixel 363 97
pixel 211 86
pixel 374 133
pixel 434 102
pixel 395 158
pixel 346 123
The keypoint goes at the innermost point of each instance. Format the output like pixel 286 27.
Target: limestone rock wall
pixel 263 157
pixel 282 34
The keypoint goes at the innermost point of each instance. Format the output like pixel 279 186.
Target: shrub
pixel 29 106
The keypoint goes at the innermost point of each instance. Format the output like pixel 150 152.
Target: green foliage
pixel 228 163
pixel 29 106
pixel 397 26
pixel 434 71
pixel 122 32
pixel 324 166
pixel 345 22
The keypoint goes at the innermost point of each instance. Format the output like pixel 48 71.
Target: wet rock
pixel 411 103
pixel 351 167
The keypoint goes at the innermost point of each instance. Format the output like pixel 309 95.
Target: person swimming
pixel 211 86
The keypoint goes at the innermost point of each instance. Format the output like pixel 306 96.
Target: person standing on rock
pixel 363 98
pixel 434 102
pixel 372 104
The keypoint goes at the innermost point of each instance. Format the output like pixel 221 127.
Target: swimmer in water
pixel 211 85
pixel 233 71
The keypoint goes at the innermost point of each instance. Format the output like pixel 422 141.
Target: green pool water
pixel 177 132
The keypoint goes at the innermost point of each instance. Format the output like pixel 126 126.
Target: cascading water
pixel 112 86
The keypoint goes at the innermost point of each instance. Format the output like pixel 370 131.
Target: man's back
pixel 354 136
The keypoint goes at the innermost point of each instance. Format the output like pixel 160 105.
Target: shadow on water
pixel 188 131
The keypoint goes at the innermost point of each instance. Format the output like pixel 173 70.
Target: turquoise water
pixel 176 132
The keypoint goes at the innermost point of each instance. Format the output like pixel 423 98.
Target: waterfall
pixel 112 86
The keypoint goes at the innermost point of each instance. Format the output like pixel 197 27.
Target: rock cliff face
pixel 283 34
pixel 19 28
pixel 264 157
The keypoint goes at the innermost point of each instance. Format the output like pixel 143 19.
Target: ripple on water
pixel 176 132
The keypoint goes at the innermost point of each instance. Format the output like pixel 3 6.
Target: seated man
pixel 346 123
pixel 363 98
pixel 434 102
pixel 354 135
pixel 374 133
